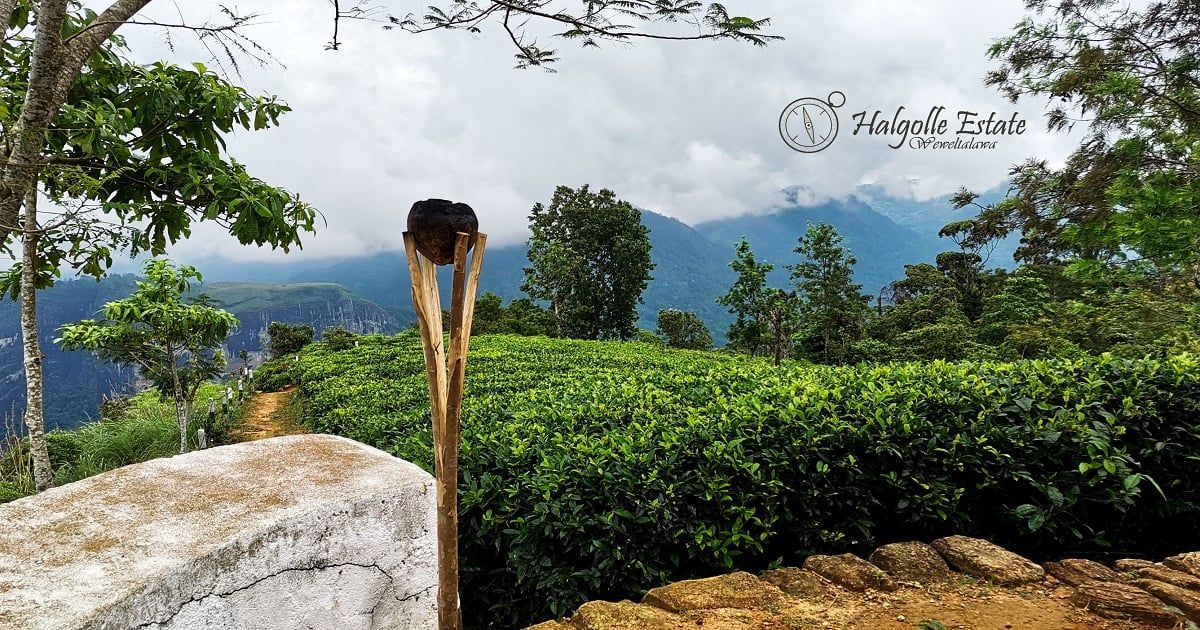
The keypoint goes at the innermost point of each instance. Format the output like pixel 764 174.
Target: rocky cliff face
pixel 319 305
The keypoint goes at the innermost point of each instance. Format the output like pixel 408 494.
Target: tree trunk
pixel 43 474
pixel 188 410
pixel 177 394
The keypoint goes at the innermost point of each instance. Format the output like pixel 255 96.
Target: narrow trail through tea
pixel 267 417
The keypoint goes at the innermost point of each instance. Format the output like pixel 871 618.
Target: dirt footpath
pixel 267 416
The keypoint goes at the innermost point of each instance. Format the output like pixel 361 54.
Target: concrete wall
pixel 307 531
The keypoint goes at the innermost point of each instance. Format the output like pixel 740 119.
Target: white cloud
pixel 687 129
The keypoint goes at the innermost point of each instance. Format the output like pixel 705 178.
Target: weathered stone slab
pixel 624 615
pixel 1129 565
pixel 1123 601
pixel 300 531
pixel 796 582
pixel 735 590
pixel 988 561
pixel 849 571
pixel 911 561
pixel 1170 576
pixel 1186 562
pixel 1076 571
pixel 1181 598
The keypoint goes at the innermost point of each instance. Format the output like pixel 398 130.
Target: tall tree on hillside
pixel 747 301
pixel 590 260
pixel 683 329
pixel 1128 196
pixel 832 307
pixel 174 340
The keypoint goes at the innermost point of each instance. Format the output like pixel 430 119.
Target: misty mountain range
pixel 371 294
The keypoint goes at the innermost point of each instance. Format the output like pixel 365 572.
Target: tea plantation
pixel 598 470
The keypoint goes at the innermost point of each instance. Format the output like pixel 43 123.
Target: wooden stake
pixel 445 395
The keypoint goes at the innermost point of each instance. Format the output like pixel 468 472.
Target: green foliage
pixel 590 260
pixel 274 374
pixel 747 300
pixel 283 338
pixel 648 337
pixel 832 308
pixel 139 428
pixel 136 156
pixel 1127 196
pixel 520 317
pixel 683 329
pixel 173 340
pixel 338 338
pixel 597 470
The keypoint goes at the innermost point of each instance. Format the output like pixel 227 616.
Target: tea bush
pixel 597 470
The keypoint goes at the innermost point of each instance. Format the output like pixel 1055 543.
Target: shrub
pixel 285 338
pixel 597 470
pixel 274 374
pixel 338 338
pixel 145 428
pixel 683 329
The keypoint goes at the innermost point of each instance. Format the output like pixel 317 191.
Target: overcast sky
pixel 684 129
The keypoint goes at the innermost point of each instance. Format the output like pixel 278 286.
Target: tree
pixel 833 308
pixel 283 338
pixel 683 329
pixel 173 339
pixel 747 301
pixel 101 160
pixel 1128 195
pixel 781 322
pixel 590 260
pixel 489 315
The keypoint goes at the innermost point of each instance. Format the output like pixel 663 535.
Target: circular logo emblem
pixel 810 124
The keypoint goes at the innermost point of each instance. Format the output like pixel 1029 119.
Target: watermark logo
pixel 810 124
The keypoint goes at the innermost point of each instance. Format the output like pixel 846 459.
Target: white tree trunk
pixel 177 392
pixel 43 475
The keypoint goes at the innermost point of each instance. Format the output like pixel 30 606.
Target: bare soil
pixel 268 415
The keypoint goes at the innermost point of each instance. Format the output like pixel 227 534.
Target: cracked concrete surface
pixel 310 531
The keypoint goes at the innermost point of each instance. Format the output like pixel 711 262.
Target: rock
pixel 1181 598
pixel 1186 562
pixel 850 571
pixel 550 625
pixel 988 561
pixel 1129 565
pixel 323 530
pixel 434 225
pixel 623 615
pixel 911 561
pixel 1170 576
pixel 1076 571
pixel 735 590
pixel 734 619
pixel 1121 601
pixel 796 582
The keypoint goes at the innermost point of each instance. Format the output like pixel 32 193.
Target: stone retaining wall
pixel 310 531
pixel 902 582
